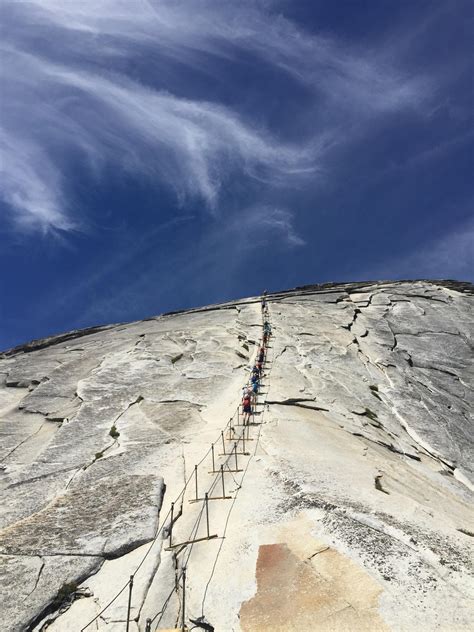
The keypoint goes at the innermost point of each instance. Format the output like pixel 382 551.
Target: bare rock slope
pixel 346 506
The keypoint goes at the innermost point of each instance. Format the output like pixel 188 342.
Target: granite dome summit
pixel 350 505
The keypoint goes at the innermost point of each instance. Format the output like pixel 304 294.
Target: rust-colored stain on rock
pixel 292 595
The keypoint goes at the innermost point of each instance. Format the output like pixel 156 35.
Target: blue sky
pixel 158 155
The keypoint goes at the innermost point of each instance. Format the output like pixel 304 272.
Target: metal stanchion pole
pixel 235 452
pixel 213 461
pixel 222 478
pixel 148 625
pixel 196 479
pixel 129 607
pixel 206 500
pixel 183 614
pixel 171 523
pixel 223 442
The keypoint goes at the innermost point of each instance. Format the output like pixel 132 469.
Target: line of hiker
pixel 250 390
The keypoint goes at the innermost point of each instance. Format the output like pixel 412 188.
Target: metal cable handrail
pixel 195 527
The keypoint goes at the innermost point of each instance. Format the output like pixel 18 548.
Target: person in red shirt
pixel 246 408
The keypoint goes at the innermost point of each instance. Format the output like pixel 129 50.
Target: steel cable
pixel 239 486
pixel 196 526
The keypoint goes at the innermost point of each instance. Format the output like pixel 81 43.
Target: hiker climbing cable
pixel 246 408
pixel 253 396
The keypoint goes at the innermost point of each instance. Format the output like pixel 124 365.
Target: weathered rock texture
pixel 354 507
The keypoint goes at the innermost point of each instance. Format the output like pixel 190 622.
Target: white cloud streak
pixel 76 95
pixel 31 185
pixel 192 146
pixel 448 257
pixel 267 223
pixel 451 256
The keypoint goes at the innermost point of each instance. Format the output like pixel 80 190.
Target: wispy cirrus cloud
pixel 70 89
pixel 192 146
pixel 180 29
pixel 223 257
pixel 447 256
pixel 269 223
pixel 31 184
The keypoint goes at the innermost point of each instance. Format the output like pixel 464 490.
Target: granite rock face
pixel 352 508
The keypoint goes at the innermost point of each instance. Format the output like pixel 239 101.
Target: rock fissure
pixel 297 402
pixel 33 434
pixel 40 572
pixel 40 477
pixel 388 446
